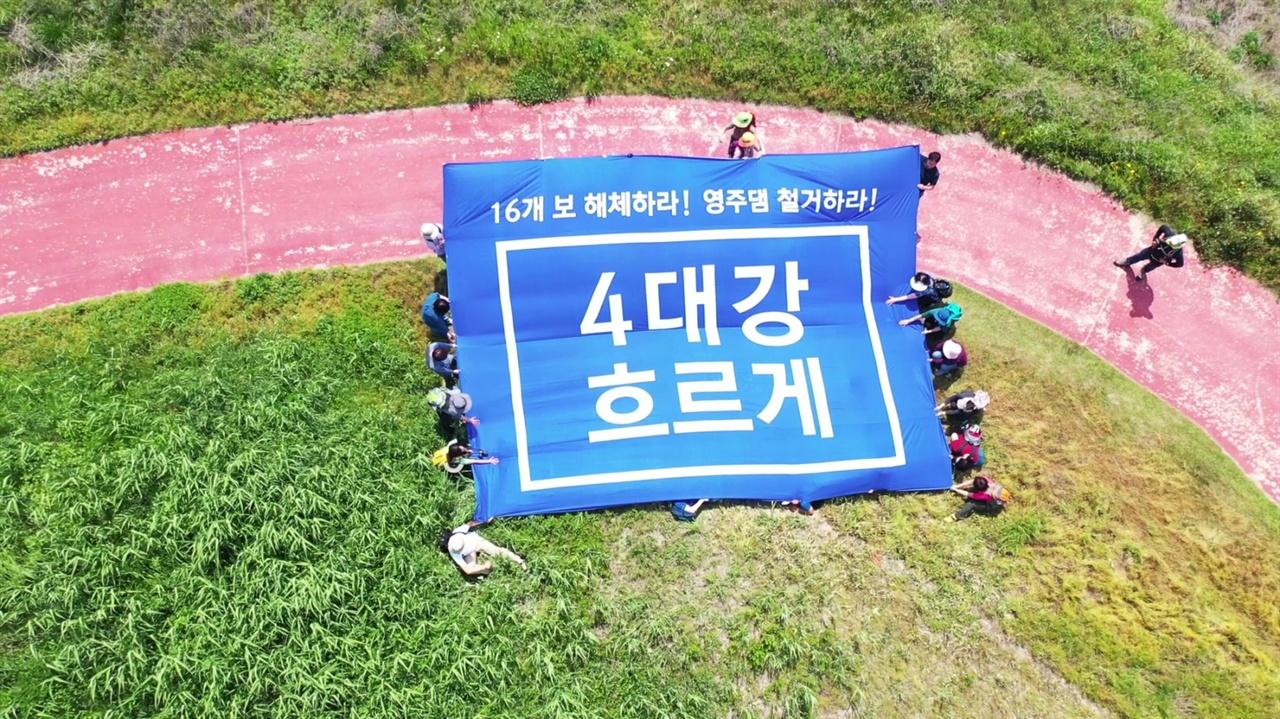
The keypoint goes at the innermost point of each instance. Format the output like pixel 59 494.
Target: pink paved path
pixel 203 204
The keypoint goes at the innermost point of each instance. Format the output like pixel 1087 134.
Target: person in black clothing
pixel 929 171
pixel 1165 249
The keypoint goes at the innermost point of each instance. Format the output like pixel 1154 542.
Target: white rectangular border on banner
pixel 513 363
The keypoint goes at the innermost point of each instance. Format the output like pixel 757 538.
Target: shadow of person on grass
pixel 1140 295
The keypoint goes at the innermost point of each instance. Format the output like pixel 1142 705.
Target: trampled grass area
pixel 1111 91
pixel 217 501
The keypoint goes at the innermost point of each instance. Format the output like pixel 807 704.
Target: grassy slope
pixel 217 500
pixel 1108 90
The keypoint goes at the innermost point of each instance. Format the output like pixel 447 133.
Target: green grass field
pixel 1111 91
pixel 218 501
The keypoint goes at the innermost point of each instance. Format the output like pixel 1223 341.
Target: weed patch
pixel 218 500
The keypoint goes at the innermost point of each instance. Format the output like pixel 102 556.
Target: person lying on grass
pixel 982 496
pixel 465 545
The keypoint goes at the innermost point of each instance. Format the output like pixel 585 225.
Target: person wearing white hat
pixel 433 236
pixel 948 357
pixel 964 407
pixel 929 292
pixel 1165 249
pixel 465 545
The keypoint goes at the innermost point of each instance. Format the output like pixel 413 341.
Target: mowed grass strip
pixel 217 500
pixel 1111 91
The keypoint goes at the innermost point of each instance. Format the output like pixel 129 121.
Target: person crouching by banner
pixel 950 356
pixel 748 147
pixel 743 123
pixel 938 319
pixel 927 291
pixel 465 545
pixel 1165 249
pixel 687 511
pixel 966 449
pixel 457 456
pixel 442 360
pixel 452 405
pixel 982 496
pixel 436 315
pixel 963 408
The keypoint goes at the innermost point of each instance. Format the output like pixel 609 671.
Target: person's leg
pixel 494 550
pixel 1141 256
pixel 969 508
pixel 1148 267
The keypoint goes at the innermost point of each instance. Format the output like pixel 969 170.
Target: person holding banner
pixel 743 123
pixel 442 360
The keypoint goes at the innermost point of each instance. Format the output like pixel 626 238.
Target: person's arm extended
pixel 895 300
pixel 908 321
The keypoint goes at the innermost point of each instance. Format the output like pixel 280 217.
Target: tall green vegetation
pixel 1110 91
pixel 218 501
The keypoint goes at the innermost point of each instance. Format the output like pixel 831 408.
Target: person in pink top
pixel 981 495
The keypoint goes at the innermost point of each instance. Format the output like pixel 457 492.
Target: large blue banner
pixel 639 329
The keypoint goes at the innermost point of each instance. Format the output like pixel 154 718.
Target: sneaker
pixel 950 518
pixel 1139 277
pixel 1119 263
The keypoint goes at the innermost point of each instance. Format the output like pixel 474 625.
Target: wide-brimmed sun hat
pixel 460 402
pixel 747 139
pixel 743 119
pixel 457 542
pixel 431 231
pixel 921 282
pixel 951 349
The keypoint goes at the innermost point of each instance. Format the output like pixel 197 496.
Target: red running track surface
pixel 199 205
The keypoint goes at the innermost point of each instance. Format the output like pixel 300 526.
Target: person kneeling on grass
pixel 966 449
pixel 949 357
pixel 938 319
pixel 465 545
pixel 982 496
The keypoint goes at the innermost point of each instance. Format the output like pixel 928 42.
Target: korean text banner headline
pixel 641 329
